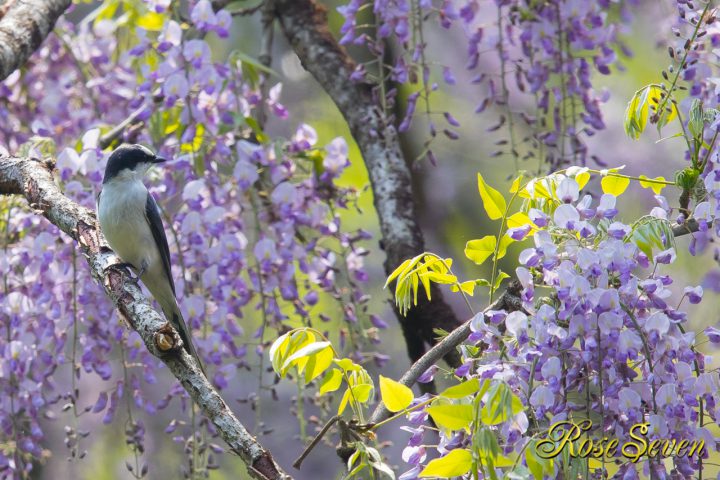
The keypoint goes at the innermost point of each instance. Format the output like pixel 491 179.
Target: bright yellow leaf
pixel 505 241
pixel 455 464
pixel 451 416
pixel 614 185
pixel 493 201
pixel 331 381
pixel 318 363
pixel 582 179
pixel 516 183
pixel 656 187
pixel 462 389
pixel 443 278
pixel 151 21
pixel 521 219
pixel 395 395
pixel 467 287
pixel 480 249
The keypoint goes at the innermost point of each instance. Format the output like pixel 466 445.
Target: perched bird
pixel 130 220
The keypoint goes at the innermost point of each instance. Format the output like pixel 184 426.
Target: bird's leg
pixel 130 266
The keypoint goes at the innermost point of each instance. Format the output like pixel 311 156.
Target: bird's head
pixel 129 162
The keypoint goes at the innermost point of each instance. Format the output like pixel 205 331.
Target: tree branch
pixel 689 227
pixel 304 23
pixel 24 24
pixel 509 301
pixel 33 179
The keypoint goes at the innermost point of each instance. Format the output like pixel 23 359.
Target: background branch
pixel 689 227
pixel 33 179
pixel 304 23
pixel 24 24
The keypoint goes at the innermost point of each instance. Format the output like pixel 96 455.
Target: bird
pixel 130 220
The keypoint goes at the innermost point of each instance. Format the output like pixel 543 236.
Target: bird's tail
pixel 179 323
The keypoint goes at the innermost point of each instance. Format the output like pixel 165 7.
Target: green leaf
pixel 633 128
pixel 493 201
pixel 501 405
pixel 480 249
pixel 452 416
pixel 395 395
pixel 278 350
pixel 456 463
pixel 498 280
pixel 538 465
pixel 237 55
pixel 462 390
pixel 696 121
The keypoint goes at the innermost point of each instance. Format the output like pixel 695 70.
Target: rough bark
pixel 304 23
pixel 33 179
pixel 24 24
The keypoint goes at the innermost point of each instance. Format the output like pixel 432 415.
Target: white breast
pixel 121 211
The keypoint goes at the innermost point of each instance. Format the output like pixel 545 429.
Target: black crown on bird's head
pixel 128 157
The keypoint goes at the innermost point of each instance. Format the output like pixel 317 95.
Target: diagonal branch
pixel 509 301
pixel 24 24
pixel 304 23
pixel 33 179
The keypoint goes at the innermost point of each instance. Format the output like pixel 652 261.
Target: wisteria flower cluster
pixel 597 344
pixel 547 51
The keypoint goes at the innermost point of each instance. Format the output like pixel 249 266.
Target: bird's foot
pixel 131 268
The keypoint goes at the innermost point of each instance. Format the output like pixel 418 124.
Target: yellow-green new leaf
pixel 456 463
pixel 278 350
pixel 505 240
pixel 302 355
pixel 462 390
pixel 614 185
pixel 318 363
pixel 468 287
pixel 331 381
pixel 480 249
pixel 516 183
pixel 452 416
pixel 443 278
pixel 404 267
pixel 360 393
pixel 493 201
pixel 395 396
pixel 520 219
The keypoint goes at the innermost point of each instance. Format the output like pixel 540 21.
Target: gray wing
pixel 152 212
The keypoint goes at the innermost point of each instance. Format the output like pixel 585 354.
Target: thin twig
pixel 315 441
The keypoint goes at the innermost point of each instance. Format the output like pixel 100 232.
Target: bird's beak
pixel 159 160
